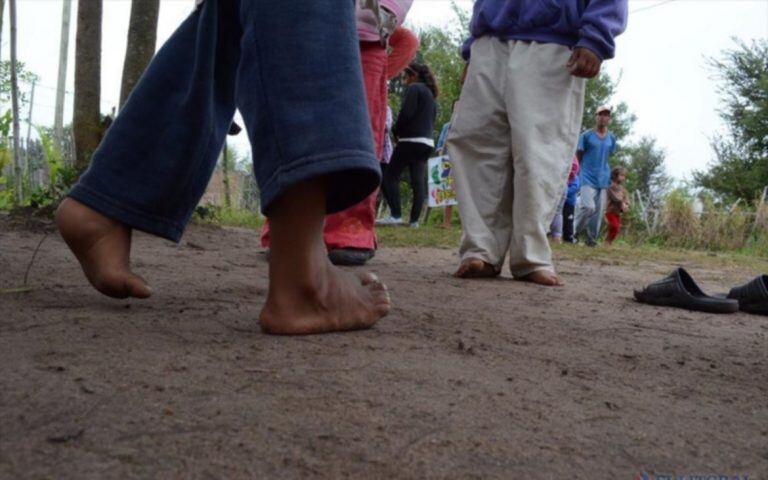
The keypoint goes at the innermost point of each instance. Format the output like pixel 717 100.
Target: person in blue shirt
pixel 516 124
pixel 596 145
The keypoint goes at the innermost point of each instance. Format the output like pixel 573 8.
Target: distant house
pixel 241 186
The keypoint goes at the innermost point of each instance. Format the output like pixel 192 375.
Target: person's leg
pixel 391 181
pixel 418 170
pixel 545 104
pixel 595 220
pixel 447 216
pixel 568 213
pixel 479 149
pixel 303 101
pixel 157 157
pixel 352 230
pixel 556 227
pixel 613 221
pixel 586 208
pixel 307 294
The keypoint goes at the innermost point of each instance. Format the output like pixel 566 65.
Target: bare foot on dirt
pixel 103 248
pixel 476 268
pixel 334 301
pixel 307 294
pixel 543 277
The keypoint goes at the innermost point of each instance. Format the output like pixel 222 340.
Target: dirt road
pixel 465 379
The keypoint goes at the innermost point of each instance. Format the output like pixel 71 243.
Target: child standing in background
pixel 558 226
pixel 618 203
pixel 569 209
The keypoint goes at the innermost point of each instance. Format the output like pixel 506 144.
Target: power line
pixel 650 7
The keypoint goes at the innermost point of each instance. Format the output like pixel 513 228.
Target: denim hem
pixel 126 214
pixel 352 188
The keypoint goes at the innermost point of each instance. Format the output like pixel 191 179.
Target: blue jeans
pixel 589 213
pixel 293 70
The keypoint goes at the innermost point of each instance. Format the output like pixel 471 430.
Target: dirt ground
pixel 465 379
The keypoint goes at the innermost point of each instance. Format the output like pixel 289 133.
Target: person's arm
pixel 582 147
pixel 403 47
pixel 615 196
pixel 601 22
pixel 407 109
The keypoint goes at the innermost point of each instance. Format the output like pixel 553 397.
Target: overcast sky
pixel 661 60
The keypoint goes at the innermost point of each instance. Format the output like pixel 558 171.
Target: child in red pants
pixel 618 203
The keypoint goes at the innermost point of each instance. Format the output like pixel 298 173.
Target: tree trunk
pixel 87 122
pixel 142 37
pixel 58 119
pixel 18 176
pixel 225 178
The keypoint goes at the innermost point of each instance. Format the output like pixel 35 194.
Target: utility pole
pixel 2 13
pixel 17 174
pixel 58 122
pixel 29 132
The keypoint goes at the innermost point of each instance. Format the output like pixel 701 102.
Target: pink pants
pixel 354 227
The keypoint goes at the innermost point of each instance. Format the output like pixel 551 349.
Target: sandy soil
pixel 466 379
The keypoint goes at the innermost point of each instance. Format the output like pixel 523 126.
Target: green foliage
pixel 600 91
pixel 25 79
pixel 440 50
pixel 6 192
pixel 741 168
pixel 231 217
pixel 646 173
pixel 60 176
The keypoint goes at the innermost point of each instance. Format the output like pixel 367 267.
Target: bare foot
pixel 476 268
pixel 333 301
pixel 307 294
pixel 103 248
pixel 543 277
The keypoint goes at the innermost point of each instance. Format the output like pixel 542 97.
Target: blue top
pixel 573 190
pixel 595 171
pixel 591 24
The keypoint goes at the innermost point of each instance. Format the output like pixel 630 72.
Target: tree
pixel 741 168
pixel 58 118
pixel 87 122
pixel 142 38
pixel 441 50
pixel 24 77
pixel 646 172
pixel 600 91
pixel 18 179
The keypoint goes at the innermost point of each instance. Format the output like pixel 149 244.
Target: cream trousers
pixel 512 139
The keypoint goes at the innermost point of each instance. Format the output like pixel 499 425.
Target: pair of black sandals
pixel 681 291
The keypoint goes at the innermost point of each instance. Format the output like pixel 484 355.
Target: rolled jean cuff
pixel 352 176
pixel 126 214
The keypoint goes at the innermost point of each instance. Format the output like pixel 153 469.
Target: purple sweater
pixel 591 24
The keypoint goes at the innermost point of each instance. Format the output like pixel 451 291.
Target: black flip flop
pixel 752 296
pixel 679 290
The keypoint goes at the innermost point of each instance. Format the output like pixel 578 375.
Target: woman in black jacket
pixel 413 129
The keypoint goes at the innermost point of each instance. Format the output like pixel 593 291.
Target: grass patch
pixel 425 236
pixel 621 253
